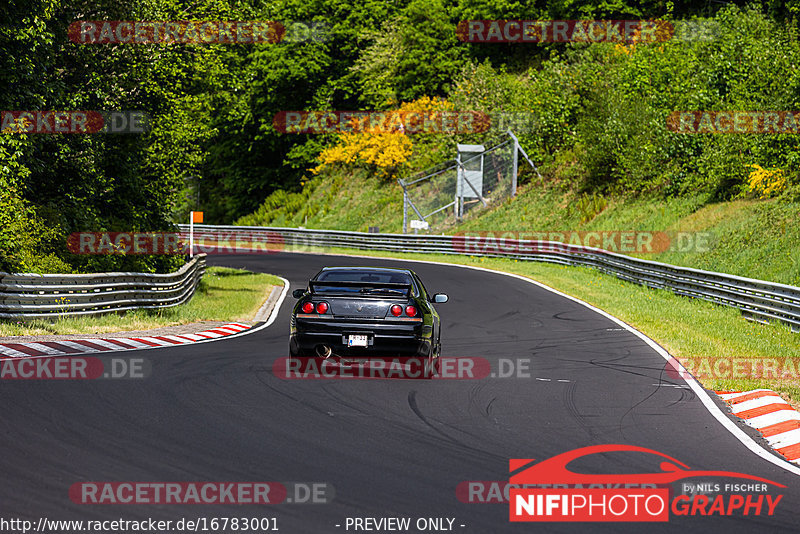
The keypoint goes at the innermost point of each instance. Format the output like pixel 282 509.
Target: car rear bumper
pixel 389 339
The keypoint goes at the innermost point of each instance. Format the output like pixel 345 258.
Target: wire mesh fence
pixel 431 198
pixel 486 179
pixel 477 179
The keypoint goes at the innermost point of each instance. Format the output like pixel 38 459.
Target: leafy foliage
pixel 383 152
pixel 595 113
pixel 766 183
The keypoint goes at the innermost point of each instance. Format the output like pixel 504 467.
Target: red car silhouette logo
pixel 554 470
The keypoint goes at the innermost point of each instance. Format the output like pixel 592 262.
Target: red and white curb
pixel 767 412
pixel 81 346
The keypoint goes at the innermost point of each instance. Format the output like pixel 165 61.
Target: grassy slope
pixel 757 239
pixel 341 201
pixel 223 295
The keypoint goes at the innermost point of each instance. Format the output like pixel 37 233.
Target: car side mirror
pixel 440 297
pixel 297 293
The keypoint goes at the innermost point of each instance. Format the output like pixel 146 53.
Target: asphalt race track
pixel 389 448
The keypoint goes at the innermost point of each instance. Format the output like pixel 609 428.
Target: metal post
pixel 514 169
pixel 405 208
pixel 459 167
pixel 191 234
pixel 524 154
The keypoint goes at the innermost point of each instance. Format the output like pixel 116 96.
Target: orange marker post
pixel 194 217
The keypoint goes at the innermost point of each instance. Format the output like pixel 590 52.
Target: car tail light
pixel 411 311
pixel 308 307
pixel 322 307
pixel 397 310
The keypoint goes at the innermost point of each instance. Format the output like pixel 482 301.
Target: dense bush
pixel 608 103
pixel 593 115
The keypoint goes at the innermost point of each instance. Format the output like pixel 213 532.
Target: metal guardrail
pixel 33 296
pixel 756 299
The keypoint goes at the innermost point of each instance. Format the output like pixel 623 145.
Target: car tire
pixel 434 363
pixel 296 352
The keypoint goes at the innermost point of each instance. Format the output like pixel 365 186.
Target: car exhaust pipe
pixel 324 351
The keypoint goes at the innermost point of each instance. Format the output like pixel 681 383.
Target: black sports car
pixel 363 313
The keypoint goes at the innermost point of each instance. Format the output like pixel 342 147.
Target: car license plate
pixel 357 341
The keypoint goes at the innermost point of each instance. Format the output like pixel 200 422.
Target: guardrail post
pixel 514 168
pixel 405 207
pixel 517 149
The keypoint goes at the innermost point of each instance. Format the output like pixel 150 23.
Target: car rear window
pixel 364 277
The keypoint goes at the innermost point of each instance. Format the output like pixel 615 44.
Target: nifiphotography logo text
pixel 574 496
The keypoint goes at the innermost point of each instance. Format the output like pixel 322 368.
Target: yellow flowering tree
pixel 766 183
pixel 385 149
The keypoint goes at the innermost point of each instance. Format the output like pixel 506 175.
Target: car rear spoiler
pixel 374 285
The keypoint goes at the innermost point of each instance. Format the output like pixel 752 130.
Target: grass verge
pixel 222 295
pixel 745 237
pixel 689 329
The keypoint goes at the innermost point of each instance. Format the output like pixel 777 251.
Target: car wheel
pixel 297 352
pixel 294 348
pixel 434 364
